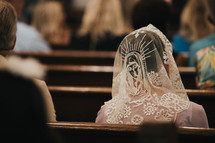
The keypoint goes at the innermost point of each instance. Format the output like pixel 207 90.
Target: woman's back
pixel 147 85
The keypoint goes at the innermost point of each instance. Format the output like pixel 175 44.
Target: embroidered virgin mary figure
pixel 147 86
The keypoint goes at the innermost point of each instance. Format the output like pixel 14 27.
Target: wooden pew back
pixel 78 103
pixel 79 75
pixel 114 133
pixel 84 75
pixel 83 103
pixel 69 57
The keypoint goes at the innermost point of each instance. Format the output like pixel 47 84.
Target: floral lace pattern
pixel 154 78
pixel 137 119
pixel 149 108
pixel 168 107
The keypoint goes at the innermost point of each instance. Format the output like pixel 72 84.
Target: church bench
pixel 83 132
pixel 83 103
pixel 85 75
pixel 70 57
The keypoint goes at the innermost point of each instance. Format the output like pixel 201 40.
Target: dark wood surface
pixel 57 58
pixel 79 75
pixel 82 103
pixel 68 57
pixel 85 75
pixel 82 132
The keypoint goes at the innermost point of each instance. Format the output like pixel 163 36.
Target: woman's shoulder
pixel 196 107
pixel 194 116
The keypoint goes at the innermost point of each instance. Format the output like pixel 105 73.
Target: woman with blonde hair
pixel 194 26
pixel 102 26
pixel 49 20
pixel 194 20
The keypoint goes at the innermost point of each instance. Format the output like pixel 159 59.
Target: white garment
pixel 29 39
pixel 146 82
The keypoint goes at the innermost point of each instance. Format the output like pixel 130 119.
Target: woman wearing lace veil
pixel 147 86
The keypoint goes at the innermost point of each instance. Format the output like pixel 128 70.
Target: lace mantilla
pixel 146 82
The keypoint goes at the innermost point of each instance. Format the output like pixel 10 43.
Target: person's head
pixel 211 9
pixel 134 56
pixel 145 53
pixel 155 12
pixel 8 26
pixel 194 21
pixel 102 16
pixel 48 18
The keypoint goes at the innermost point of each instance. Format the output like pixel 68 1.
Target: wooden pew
pixel 117 133
pixel 79 75
pixel 69 57
pixel 188 75
pixel 78 103
pixel 82 103
pixel 84 75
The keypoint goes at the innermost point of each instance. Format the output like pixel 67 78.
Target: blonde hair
pixel 49 19
pixel 194 21
pixel 102 16
pixel 8 25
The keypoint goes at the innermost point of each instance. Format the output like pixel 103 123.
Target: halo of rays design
pixel 139 47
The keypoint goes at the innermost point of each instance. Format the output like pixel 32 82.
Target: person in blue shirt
pixel 180 44
pixel 200 44
pixel 203 35
pixel 28 38
pixel 193 27
pixel 205 58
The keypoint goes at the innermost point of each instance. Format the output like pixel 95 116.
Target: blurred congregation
pixel 138 71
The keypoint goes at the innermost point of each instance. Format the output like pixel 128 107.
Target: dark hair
pixel 155 12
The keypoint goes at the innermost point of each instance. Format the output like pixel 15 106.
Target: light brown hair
pixel 194 20
pixel 8 25
pixel 102 16
pixel 49 20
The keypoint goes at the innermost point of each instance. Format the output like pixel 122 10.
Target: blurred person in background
pixel 205 58
pixel 177 7
pixel 102 27
pixel 49 19
pixel 155 12
pixel 194 26
pixel 197 28
pixel 28 38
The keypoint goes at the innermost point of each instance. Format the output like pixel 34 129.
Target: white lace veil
pixel 146 81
